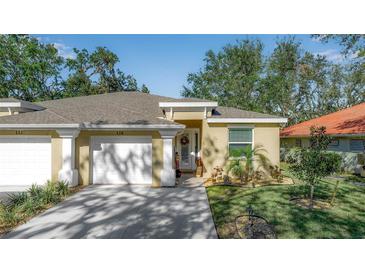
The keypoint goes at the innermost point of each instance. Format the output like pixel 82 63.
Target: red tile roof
pixel 346 121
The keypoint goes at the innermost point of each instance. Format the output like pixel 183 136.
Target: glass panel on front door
pixel 185 151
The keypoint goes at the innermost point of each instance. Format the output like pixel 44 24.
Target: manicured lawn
pixel 346 219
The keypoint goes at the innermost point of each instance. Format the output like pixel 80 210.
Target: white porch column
pixel 168 175
pixel 68 173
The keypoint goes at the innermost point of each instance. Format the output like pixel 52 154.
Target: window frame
pixel 251 127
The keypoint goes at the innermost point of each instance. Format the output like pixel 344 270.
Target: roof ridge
pixel 59 115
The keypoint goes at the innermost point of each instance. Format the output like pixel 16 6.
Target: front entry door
pixel 187 147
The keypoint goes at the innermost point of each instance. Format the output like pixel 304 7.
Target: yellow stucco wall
pixel 83 153
pixel 268 136
pixel 56 146
pixel 186 115
pixel 215 143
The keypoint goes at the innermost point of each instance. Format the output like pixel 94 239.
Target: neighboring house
pixel 346 127
pixel 124 138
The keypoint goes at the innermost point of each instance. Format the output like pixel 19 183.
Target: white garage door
pixel 122 160
pixel 25 160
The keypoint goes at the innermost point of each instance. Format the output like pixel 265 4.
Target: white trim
pixel 21 104
pixel 68 133
pixel 241 126
pixel 187 104
pixel 247 120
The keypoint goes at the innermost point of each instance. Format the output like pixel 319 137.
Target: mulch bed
pixel 286 181
pixel 305 203
pixel 254 227
pixel 243 228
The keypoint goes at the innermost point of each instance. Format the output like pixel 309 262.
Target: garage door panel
pixel 122 160
pixel 25 160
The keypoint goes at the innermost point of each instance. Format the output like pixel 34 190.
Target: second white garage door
pixel 121 160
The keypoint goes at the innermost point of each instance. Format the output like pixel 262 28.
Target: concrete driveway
pixel 127 212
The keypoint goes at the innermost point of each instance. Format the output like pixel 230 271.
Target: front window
pixel 357 145
pixel 239 139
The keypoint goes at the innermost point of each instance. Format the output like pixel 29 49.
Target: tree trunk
pixel 311 196
pixel 334 193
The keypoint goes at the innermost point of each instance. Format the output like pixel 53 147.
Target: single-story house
pixel 124 138
pixel 346 127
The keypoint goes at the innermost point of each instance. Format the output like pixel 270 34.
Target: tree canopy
pixel 33 71
pixel 289 82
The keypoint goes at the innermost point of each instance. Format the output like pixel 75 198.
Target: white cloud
pixel 336 56
pixel 64 51
pixel 332 55
pixel 316 39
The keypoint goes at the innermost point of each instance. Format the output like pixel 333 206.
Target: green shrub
pixel 36 198
pixel 50 193
pixel 63 189
pixel 292 155
pixel 35 192
pixel 31 206
pixel 16 199
pixel 8 216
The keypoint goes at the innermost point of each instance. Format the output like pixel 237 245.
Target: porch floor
pixel 189 180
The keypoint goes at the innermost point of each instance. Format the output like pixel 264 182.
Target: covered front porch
pixel 187 148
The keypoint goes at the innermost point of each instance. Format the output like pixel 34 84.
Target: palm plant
pixel 246 161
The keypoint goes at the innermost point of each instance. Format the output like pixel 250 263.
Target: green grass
pixel 346 219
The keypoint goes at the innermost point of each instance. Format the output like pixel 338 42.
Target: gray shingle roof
pixel 112 108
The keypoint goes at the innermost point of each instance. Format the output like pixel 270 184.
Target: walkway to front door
pixel 125 211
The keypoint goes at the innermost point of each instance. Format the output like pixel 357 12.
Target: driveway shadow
pixel 125 212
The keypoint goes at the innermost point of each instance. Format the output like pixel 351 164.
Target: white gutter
pixel 38 126
pixel 248 120
pixel 90 126
pixel 187 104
pixel 131 126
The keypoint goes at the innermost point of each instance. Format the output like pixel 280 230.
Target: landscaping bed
pixel 22 206
pixel 345 219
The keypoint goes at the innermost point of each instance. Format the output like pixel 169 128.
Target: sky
pixel 162 62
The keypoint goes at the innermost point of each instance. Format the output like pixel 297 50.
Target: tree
pixel 145 89
pixel 29 70
pixel 351 43
pixel 230 77
pixel 96 72
pixel 313 164
pixel 33 71
pixel 353 47
pixel 289 82
pixel 278 84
